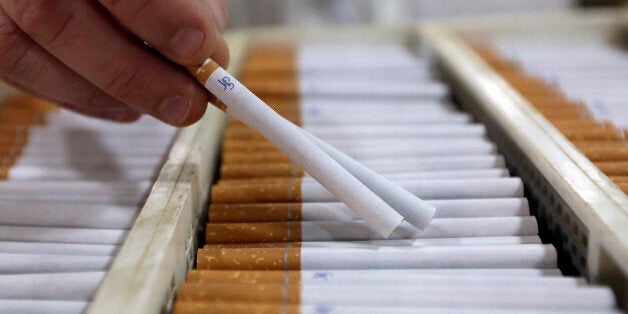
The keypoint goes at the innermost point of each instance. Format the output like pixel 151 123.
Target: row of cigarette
pixel 278 241
pixel 599 140
pixel 70 191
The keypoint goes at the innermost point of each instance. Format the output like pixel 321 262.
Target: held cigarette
pixel 245 106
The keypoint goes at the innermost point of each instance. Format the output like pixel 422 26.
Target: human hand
pixel 89 55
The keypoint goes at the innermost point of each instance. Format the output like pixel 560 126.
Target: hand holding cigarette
pixel 378 201
pixel 92 57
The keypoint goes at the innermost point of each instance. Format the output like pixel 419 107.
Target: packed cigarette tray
pixel 583 212
pixel 571 196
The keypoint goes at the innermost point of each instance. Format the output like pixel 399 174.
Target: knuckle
pixel 47 21
pixel 126 83
pixel 31 14
pixel 9 35
pixel 128 9
pixel 12 49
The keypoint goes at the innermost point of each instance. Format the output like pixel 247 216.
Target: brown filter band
pixel 231 157
pixel 563 111
pixel 283 88
pixel 613 168
pixel 277 169
pixel 19 112
pixel 278 294
pixel 242 134
pixel 294 117
pixel 271 59
pixel 619 179
pixel 268 232
pixel 286 258
pixel 287 74
pixel 243 277
pixel 203 72
pixel 256 193
pixel 580 123
pixel 604 151
pixel 596 135
pixel 548 101
pixel 555 120
pixel 182 307
pixel 4 173
pixel 253 245
pixel 233 213
pixel 249 146
pixel 255 180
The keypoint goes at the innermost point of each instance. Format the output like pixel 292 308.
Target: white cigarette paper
pixel 59 248
pixel 436 189
pixel 45 263
pixel 245 106
pixel 62 235
pixel 57 286
pixel 414 210
pixel 67 214
pixel 44 306
pixel 87 192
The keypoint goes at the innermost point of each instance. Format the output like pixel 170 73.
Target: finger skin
pixel 83 36
pixel 24 63
pixel 183 31
pixel 117 115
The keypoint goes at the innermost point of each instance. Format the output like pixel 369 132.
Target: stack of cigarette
pixel 71 188
pixel 580 89
pixel 278 241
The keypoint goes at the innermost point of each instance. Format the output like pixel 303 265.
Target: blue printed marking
pixel 323 308
pixel 322 275
pixel 226 82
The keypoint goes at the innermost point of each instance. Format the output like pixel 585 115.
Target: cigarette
pixel 460 208
pixel 265 146
pixel 51 263
pixel 67 214
pixel 87 192
pixel 388 166
pixel 24 306
pixel 72 172
pixel 49 248
pixel 370 152
pixel 291 190
pixel 410 244
pixel 325 277
pixel 446 299
pixel 385 131
pixel 245 106
pixel 269 232
pixel 375 277
pixel 63 235
pixel 295 258
pixel 398 244
pixel 60 286
pixel 414 210
pixel 395 177
pixel 603 151
pixel 288 87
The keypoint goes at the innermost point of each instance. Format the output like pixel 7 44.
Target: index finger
pixel 183 31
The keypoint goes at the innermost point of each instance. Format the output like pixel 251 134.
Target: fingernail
pixel 175 109
pixel 186 42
